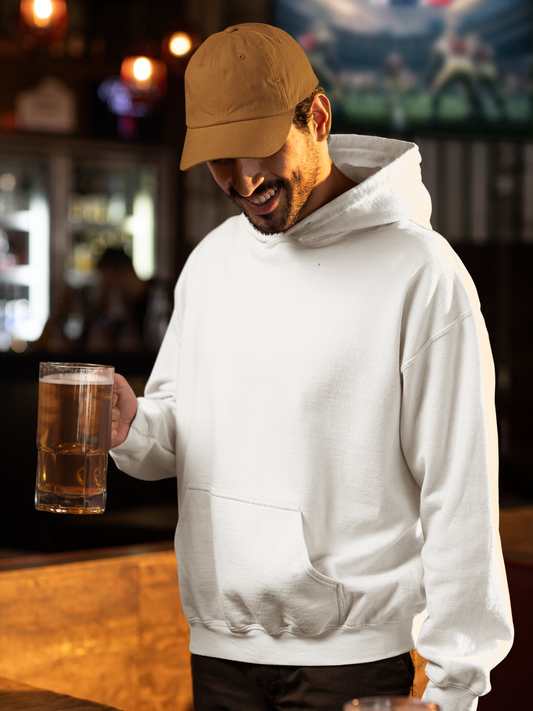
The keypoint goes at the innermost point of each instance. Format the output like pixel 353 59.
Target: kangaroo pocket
pixel 245 563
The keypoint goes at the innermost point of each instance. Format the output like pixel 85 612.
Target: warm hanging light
pixel 177 48
pixel 180 44
pixel 145 77
pixel 42 12
pixel 46 19
pixel 142 69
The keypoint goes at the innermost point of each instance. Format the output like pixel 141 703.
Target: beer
pixel 73 437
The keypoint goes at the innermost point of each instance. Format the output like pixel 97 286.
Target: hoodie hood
pixel 389 189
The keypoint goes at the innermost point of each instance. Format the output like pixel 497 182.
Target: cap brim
pixel 257 138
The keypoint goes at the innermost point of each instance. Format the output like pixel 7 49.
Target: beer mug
pixel 73 437
pixel 389 703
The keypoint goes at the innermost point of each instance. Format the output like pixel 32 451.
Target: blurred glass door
pixel 24 251
pixel 64 205
pixel 111 207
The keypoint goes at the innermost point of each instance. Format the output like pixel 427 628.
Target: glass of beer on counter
pixel 389 703
pixel 73 437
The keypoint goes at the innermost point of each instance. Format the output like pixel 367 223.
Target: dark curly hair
pixel 302 112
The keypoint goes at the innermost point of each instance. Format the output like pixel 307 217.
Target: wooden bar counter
pixel 15 696
pixel 108 626
pixel 101 625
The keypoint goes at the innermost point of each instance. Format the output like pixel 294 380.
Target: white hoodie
pixel 325 398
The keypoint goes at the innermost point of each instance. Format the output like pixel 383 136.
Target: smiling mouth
pixel 264 198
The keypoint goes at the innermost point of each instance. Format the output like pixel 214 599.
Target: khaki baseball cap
pixel 241 88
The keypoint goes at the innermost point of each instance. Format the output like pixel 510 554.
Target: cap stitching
pixel 274 69
pixel 218 99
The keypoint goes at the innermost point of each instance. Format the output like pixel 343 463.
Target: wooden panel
pixel 69 628
pixel 165 659
pixel 421 680
pixel 109 630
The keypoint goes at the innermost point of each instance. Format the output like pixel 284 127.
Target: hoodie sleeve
pixel 149 451
pixel 449 438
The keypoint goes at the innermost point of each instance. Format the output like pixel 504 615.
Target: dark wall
pixel 502 274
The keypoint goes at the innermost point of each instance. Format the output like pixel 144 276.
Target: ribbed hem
pixel 340 646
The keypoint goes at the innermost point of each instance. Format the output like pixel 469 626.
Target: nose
pixel 247 176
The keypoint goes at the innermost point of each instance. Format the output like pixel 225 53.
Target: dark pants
pixel 223 685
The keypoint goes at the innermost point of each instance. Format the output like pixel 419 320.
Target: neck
pixel 333 184
pixel 340 183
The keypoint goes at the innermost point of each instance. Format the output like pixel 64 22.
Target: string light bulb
pixel 45 19
pixel 180 44
pixel 145 77
pixel 142 69
pixel 42 11
pixel 177 48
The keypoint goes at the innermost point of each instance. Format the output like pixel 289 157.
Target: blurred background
pixel 97 221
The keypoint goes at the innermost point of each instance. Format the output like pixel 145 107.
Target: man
pixel 324 396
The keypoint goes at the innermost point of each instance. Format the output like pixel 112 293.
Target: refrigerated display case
pixel 63 203
pixel 24 251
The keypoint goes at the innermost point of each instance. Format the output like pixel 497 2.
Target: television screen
pixel 420 67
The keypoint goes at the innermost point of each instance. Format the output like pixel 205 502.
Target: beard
pixel 298 190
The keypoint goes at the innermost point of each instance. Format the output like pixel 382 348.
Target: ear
pixel 321 117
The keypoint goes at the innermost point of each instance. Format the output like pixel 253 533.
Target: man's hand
pixel 124 410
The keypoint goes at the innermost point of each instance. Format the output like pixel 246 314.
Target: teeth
pixel 261 200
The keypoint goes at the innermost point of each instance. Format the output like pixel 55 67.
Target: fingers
pixel 123 411
pixel 115 416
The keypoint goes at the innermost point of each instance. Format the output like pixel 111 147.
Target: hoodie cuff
pixel 450 698
pixel 135 443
